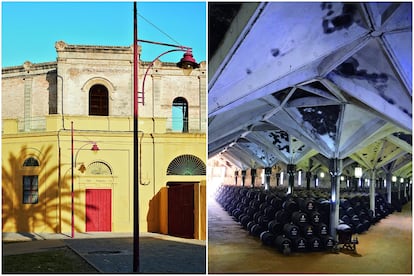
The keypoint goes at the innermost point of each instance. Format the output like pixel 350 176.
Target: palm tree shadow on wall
pixel 47 214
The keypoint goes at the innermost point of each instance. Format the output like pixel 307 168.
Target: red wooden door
pixel 181 210
pixel 98 210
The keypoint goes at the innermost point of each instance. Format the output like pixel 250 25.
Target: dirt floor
pixel 385 248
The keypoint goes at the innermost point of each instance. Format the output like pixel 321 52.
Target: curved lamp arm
pixel 94 148
pixel 183 49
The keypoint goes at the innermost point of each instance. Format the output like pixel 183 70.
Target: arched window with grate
pixel 98 168
pixel 31 182
pixel 186 165
pixel 98 100
pixel 180 115
pixel 31 162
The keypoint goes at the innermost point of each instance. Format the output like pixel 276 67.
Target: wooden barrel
pixel 282 217
pixel 299 218
pixel 256 230
pixel 315 244
pixel 283 244
pixel 267 238
pixel 275 227
pixel 269 198
pixel 236 213
pixel 328 242
pixel 270 211
pixel 308 205
pixel 314 217
pixel 263 205
pixel 307 230
pixel 244 220
pixel 263 221
pixel 250 225
pixel 350 211
pixel 277 203
pixel 290 206
pixel 260 197
pixel 321 229
pixel 299 244
pixel 291 230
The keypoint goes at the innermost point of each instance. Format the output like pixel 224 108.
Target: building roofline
pixel 29 66
pixel 62 46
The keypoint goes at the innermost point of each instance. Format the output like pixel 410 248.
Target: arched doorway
pixel 181 195
pixel 98 199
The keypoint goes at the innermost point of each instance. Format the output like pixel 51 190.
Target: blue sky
pixel 30 29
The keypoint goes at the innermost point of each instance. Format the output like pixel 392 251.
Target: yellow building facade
pixel 68 126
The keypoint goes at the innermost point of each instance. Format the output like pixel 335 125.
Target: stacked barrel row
pixel 285 222
pixel 299 222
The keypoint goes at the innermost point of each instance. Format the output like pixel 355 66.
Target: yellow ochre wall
pixel 53 150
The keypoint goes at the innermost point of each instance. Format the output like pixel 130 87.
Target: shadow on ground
pixel 155 256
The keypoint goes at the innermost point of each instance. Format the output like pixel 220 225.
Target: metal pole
pixel 136 182
pixel 72 192
pixel 335 170
pixel 372 191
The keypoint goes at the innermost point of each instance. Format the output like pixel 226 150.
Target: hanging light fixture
pixel 95 147
pixel 188 61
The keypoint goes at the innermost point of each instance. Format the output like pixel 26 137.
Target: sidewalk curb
pixel 86 260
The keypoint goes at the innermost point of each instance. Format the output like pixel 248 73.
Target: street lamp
pixel 186 62
pixel 74 157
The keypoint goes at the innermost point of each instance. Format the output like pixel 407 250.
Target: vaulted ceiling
pixel 301 83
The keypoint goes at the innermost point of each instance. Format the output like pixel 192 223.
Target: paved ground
pixel 112 252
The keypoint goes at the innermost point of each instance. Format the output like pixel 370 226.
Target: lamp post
pixel 186 62
pixel 73 165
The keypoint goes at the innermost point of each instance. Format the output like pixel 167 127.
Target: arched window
pixel 180 115
pixel 30 183
pixel 30 162
pixel 98 100
pixel 98 168
pixel 186 165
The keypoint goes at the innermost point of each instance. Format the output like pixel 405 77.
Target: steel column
pixel 268 173
pixel 335 170
pixel 291 170
pixel 372 192
pixel 253 175
pixel 389 186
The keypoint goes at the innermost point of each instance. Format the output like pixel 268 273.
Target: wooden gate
pixel 181 210
pixel 98 210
